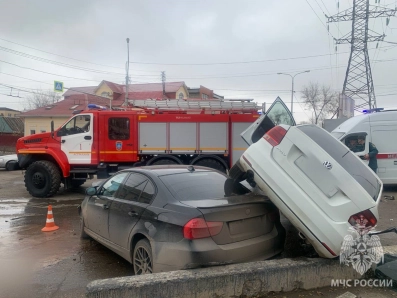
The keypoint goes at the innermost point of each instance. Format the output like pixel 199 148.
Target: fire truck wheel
pixel 236 173
pixel 211 163
pixel 164 161
pixel 42 179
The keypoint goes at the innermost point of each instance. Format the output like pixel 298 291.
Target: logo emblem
pixel 327 165
pixel 361 249
pixel 119 145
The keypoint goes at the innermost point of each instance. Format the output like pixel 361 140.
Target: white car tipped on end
pixel 314 180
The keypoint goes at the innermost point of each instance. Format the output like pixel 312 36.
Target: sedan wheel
pixel 142 258
pixel 83 234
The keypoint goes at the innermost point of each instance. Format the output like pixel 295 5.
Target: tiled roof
pixel 148 87
pixel 151 87
pixel 66 107
pixel 146 95
pixel 74 100
pixel 75 90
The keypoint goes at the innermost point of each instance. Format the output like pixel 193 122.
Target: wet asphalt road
pixel 60 264
pixel 47 264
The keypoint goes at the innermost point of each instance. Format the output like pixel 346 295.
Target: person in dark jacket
pixel 352 145
pixel 371 155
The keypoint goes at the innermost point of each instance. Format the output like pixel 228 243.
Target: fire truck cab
pixel 101 142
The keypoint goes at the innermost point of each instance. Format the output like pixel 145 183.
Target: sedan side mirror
pixel 91 191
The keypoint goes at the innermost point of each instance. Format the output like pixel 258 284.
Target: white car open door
pixel 277 114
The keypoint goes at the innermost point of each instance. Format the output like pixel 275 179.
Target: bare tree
pixel 41 98
pixel 279 117
pixel 321 101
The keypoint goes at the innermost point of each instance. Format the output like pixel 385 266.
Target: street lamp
pixel 292 91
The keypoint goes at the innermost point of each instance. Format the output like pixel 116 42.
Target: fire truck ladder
pixel 183 105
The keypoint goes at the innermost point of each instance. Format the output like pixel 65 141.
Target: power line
pixel 241 62
pixel 58 54
pixel 25 78
pixel 326 28
pixel 235 62
pixel 47 72
pixel 25 55
pixel 68 57
pixel 325 14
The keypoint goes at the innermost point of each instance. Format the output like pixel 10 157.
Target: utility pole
pixel 358 83
pixel 292 89
pixel 163 78
pixel 127 67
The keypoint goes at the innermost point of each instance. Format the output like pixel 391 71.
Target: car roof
pixel 162 170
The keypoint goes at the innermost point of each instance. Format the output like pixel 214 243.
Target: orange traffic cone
pixel 50 224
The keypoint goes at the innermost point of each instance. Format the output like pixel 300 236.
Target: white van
pixel 380 128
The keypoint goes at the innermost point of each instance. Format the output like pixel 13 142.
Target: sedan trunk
pixel 243 217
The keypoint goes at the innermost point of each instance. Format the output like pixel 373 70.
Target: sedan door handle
pixel 63 141
pixel 104 206
pixel 132 213
pixel 87 138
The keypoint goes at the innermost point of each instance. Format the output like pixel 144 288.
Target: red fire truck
pixel 100 142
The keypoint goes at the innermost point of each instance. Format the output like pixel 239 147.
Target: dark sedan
pixel 164 218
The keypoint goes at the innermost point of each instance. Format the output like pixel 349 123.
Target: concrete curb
pixel 237 280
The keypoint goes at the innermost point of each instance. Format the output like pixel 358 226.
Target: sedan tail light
pixel 364 218
pixel 197 228
pixel 275 135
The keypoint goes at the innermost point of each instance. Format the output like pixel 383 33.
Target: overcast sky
pixel 176 35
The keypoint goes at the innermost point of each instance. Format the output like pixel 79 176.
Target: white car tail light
pixel 275 135
pixel 364 218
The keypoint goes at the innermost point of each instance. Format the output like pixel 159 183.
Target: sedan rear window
pixel 195 186
pixel 356 168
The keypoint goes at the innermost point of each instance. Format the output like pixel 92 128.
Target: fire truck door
pixel 118 142
pixel 76 139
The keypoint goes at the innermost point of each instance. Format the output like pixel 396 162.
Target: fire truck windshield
pixel 78 124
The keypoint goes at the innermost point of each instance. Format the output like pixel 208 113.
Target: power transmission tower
pixel 358 82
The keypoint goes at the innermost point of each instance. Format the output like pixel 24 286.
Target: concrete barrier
pixel 237 280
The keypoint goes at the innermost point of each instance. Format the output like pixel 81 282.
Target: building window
pixel 1 114
pixel 119 128
pixel 42 130
pixel 9 114
pixel 180 96
pixel 32 131
pixel 105 94
pixel 204 96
